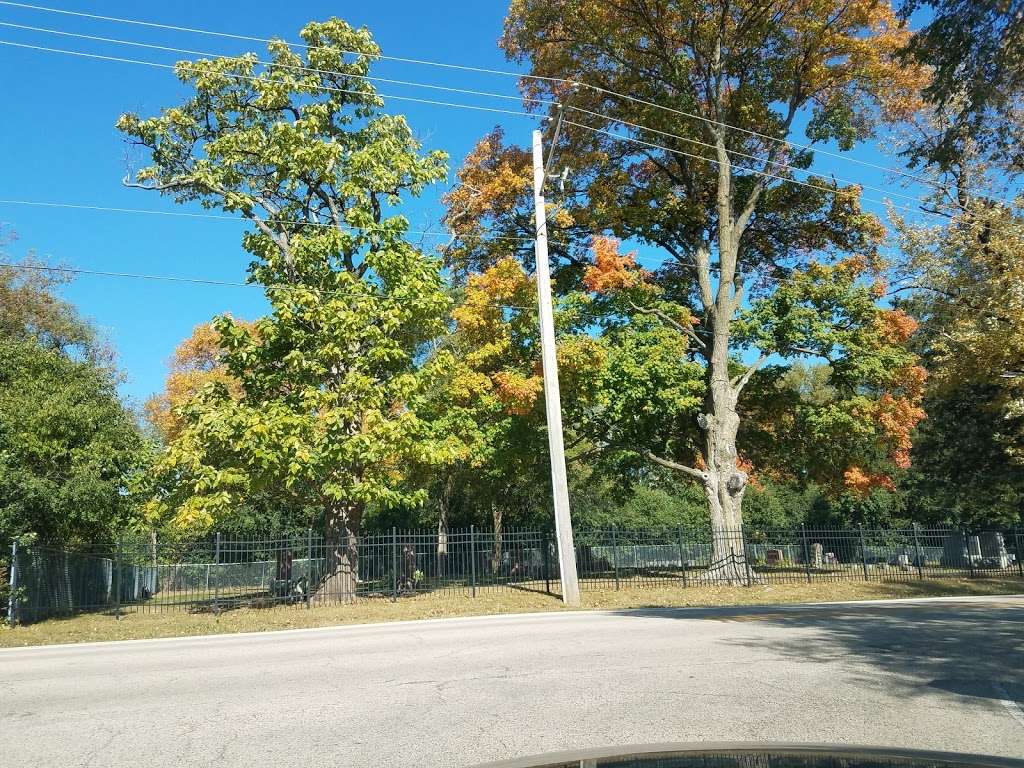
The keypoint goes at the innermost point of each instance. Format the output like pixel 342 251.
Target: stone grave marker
pixel 974 548
pixel 954 551
pixel 993 549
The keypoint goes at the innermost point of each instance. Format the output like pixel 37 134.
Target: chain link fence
pixel 218 573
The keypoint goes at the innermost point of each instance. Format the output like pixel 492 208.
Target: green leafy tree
pixel 30 309
pixel 962 282
pixel 329 381
pixel 68 446
pixel 962 473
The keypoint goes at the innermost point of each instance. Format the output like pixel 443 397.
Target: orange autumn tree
pixel 488 394
pixel 195 363
pixel 493 196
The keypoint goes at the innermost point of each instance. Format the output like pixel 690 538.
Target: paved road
pixel 941 675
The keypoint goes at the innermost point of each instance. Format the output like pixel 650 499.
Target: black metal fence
pixel 219 573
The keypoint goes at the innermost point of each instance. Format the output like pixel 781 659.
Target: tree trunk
pixel 724 481
pixel 497 515
pixel 444 506
pixel 341 534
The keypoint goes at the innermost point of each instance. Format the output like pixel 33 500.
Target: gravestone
pixel 903 561
pixel 816 554
pixel 974 547
pixel 773 557
pixel 993 549
pixel 954 551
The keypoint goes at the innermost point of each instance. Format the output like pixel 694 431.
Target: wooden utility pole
pixel 552 401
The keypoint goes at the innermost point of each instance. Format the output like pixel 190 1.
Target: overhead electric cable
pixel 239 220
pixel 220 283
pixel 450 104
pixel 297 67
pixel 746 169
pixel 485 70
pixel 488 94
pixel 173 67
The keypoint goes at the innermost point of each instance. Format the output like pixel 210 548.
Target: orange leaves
pixel 516 392
pixel 895 326
pixel 911 380
pixel 746 466
pixel 898 416
pixel 856 53
pixel 860 483
pixel 498 338
pixel 480 316
pixel 199 352
pixel 195 363
pixel 491 181
pixel 611 272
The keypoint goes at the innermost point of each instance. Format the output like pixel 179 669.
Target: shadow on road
pixel 968 649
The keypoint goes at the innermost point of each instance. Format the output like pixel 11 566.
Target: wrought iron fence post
pixel 12 601
pixel 615 556
pixel 216 575
pixel 1020 560
pixel 682 559
pixel 746 557
pixel 807 556
pixel 917 552
pixel 117 579
pixel 863 552
pixel 309 567
pixel 394 564
pixel 472 556
pixel 547 563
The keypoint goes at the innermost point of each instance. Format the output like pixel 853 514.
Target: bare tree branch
pixel 685 330
pixel 740 381
pixel 695 473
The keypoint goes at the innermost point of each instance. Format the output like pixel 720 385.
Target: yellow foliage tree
pixel 195 363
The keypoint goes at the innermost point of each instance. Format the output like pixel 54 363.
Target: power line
pixel 173 67
pixel 484 70
pixel 641 260
pixel 253 39
pixel 746 169
pixel 313 70
pixel 385 96
pixel 445 104
pixel 738 153
pixel 272 287
pixel 220 283
pixel 222 217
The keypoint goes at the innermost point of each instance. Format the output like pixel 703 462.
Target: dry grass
pixel 93 627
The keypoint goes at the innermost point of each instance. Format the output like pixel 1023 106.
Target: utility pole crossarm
pixel 552 397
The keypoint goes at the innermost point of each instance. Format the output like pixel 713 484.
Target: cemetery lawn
pixel 134 626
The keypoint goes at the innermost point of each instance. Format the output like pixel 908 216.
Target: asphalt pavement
pixel 942 675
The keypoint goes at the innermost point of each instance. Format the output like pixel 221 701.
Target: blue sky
pixel 58 144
